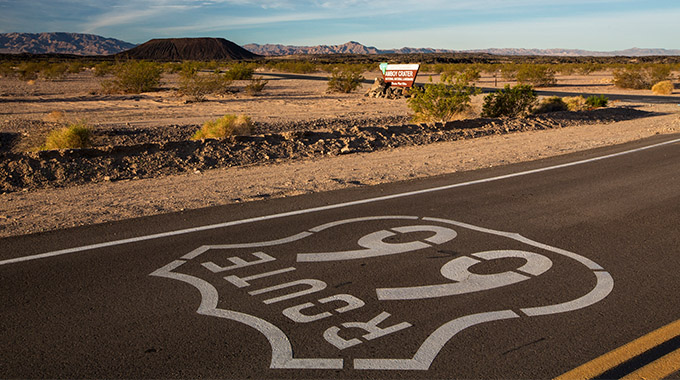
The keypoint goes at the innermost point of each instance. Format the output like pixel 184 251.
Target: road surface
pixel 523 271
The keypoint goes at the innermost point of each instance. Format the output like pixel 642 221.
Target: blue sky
pixel 602 25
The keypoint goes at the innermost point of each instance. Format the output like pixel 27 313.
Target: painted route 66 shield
pixel 345 305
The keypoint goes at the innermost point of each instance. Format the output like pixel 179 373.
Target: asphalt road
pixel 523 271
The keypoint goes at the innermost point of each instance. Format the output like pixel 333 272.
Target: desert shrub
pixel 575 103
pixel 55 117
pixel 134 77
pixel 597 101
pixel 296 67
pixel 641 78
pixel 240 71
pixel 227 125
pixel 537 75
pixel 587 68
pixel 345 80
pixel 441 102
pixel 663 88
pixel 55 71
pixel 510 101
pixel 7 69
pixel 551 104
pixel 467 75
pixel 197 86
pixel 75 67
pixel 509 71
pixel 256 86
pixel 74 136
pixel 28 71
pixel 103 69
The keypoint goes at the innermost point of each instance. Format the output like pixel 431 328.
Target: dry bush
pixel 55 117
pixel 641 77
pixel 55 71
pixel 197 86
pixel 256 86
pixel 74 136
pixel 551 104
pixel 227 125
pixel 663 88
pixel 575 103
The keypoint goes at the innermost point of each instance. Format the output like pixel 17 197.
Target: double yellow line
pixel 619 361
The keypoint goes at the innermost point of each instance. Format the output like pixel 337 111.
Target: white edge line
pixel 321 208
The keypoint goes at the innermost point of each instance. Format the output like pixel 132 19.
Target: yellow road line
pixel 658 369
pixel 624 353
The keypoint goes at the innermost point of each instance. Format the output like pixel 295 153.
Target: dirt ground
pixel 284 102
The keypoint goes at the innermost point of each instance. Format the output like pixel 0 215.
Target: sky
pixel 598 25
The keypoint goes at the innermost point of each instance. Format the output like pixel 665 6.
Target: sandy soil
pixel 283 101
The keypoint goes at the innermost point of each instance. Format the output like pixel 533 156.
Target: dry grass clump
pixel 55 117
pixel 74 136
pixel 256 86
pixel 227 125
pixel 576 103
pixel 663 88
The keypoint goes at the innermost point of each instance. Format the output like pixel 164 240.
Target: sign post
pixel 403 75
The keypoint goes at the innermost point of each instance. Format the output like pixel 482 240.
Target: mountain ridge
pixel 353 47
pixel 61 43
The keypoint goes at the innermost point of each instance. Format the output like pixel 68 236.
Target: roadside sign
pixel 400 75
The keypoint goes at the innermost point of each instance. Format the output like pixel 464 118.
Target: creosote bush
pixel 196 86
pixel 537 75
pixel 345 80
pixel 240 71
pixel 551 104
pixel 227 125
pixel 575 103
pixel 597 101
pixel 663 88
pixel 510 101
pixel 74 136
pixel 134 77
pixel 441 102
pixel 256 86
pixel 641 77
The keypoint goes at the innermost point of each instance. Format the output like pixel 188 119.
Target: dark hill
pixel 192 49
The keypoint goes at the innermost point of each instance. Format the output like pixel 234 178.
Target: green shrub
pixel 7 70
pixel 537 75
pixel 103 69
pixel 29 71
pixel 227 125
pixel 345 81
pixel 296 67
pixel 74 136
pixel 75 67
pixel 510 101
pixel 197 86
pixel 575 103
pixel 134 77
pixel 641 78
pixel 551 104
pixel 663 88
pixel 55 71
pixel 256 86
pixel 441 102
pixel 240 71
pixel 597 101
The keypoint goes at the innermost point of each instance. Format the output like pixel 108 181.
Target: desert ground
pixel 29 110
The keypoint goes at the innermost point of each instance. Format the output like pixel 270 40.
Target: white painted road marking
pixel 321 208
pixel 377 327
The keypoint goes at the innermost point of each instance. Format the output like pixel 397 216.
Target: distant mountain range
pixel 90 44
pixel 61 43
pixel 353 47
